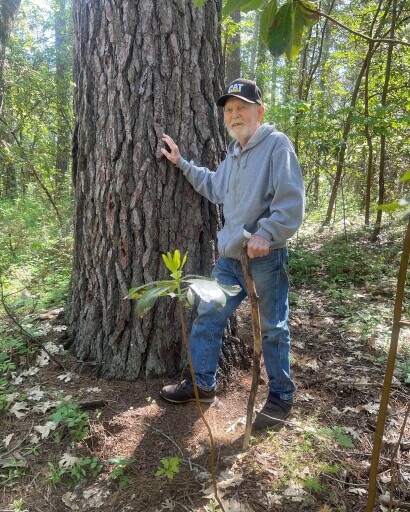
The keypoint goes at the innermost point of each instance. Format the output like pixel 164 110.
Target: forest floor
pixel 319 461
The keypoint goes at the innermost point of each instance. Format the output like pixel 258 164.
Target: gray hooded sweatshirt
pixel 260 187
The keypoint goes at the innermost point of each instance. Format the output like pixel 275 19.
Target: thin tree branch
pixel 355 32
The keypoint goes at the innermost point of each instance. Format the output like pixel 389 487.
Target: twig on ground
pixel 393 463
pixel 36 341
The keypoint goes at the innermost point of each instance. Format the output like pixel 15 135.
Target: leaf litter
pixel 336 389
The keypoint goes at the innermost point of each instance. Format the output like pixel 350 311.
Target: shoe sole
pixel 202 400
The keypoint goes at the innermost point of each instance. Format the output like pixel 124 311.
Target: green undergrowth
pixel 302 460
pixel 354 281
pixel 35 252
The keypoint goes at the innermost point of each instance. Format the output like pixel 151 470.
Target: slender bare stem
pixel 198 403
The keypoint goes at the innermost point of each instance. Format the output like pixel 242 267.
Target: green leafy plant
pixel 77 472
pixel 339 433
pixel 170 467
pixel 184 290
pixel 314 484
pixel 77 421
pixel 118 474
pixel 18 506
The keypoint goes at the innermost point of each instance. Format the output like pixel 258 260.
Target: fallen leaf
pixel 313 365
pixel 68 500
pixel 294 490
pixel 354 433
pixel 6 440
pixel 43 408
pixel 35 394
pixel 11 397
pixel 230 480
pixel 240 421
pixel 372 408
pixel 30 372
pixel 358 490
pixel 42 359
pixel 53 348
pixel 46 429
pixel 68 461
pixel 20 409
pixel 65 377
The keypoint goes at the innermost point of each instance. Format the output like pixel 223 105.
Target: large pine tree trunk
pixel 141 69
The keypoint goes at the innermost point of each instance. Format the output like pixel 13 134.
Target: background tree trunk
pixel 63 97
pixel 8 11
pixel 141 69
pixel 233 51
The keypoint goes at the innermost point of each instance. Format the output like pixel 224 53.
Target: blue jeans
pixel 271 283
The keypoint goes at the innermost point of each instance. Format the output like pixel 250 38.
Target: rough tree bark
pixel 141 69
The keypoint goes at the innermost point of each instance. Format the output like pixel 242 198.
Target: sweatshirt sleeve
pixel 205 182
pixel 288 202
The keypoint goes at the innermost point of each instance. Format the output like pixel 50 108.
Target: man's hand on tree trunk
pixel 174 155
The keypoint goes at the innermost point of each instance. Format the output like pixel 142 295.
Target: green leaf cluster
pixel 170 467
pixel 281 28
pixel 339 433
pixel 182 288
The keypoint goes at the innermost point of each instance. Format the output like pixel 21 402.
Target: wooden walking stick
pixel 257 343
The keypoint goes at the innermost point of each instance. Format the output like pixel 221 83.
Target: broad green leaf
pixel 303 18
pixel 280 34
pixel 230 290
pixel 147 300
pixel 405 177
pixel 135 293
pixel 209 291
pixel 177 259
pixel 251 5
pixel 310 17
pixel 233 5
pixel 198 3
pixel 298 29
pixel 169 262
pixel 389 207
pixel 267 17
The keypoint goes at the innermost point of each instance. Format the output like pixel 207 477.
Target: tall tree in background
pixel 8 11
pixel 62 81
pixel 141 69
pixel 232 47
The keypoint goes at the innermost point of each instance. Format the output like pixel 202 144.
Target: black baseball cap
pixel 245 90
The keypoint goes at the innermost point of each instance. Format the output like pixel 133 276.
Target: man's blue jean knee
pixel 271 285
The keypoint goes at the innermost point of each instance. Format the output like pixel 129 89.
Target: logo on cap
pixel 235 88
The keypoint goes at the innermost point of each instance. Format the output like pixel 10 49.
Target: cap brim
pixel 222 100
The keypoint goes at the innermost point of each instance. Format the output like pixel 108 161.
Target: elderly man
pixel 261 189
